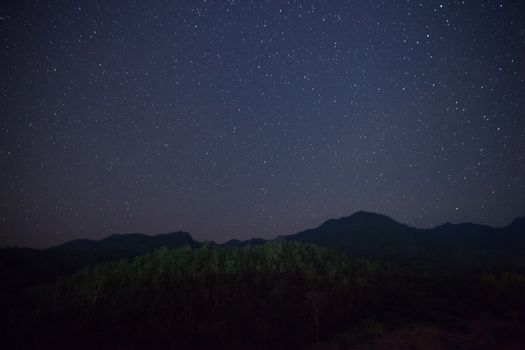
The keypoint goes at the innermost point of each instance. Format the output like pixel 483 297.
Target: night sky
pixel 240 119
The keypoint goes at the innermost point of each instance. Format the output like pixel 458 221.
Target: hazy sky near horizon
pixel 237 119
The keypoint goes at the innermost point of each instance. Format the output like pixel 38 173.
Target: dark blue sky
pixel 257 118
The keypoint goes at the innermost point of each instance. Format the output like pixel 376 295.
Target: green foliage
pixel 278 295
pixel 269 294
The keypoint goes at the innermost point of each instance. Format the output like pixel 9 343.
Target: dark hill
pixel 125 245
pixel 371 235
pixel 362 234
pixel 23 267
pixel 84 252
pixel 238 243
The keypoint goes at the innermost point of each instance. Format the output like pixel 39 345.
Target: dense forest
pixel 280 294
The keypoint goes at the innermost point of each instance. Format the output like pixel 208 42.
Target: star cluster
pixel 257 118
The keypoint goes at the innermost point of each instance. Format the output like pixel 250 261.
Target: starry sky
pixel 237 119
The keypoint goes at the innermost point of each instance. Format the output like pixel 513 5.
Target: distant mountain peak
pixel 362 218
pixel 117 236
pixel 181 234
pixel 250 242
pixel 370 215
pixel 138 242
pixel 366 213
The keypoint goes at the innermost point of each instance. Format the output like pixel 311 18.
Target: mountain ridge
pixel 362 234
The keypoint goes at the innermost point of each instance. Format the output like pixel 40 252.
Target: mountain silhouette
pixel 363 234
pixel 83 252
pixel 126 244
pixel 23 267
pixel 372 235
pixel 239 243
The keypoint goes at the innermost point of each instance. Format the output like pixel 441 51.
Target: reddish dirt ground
pixel 481 334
